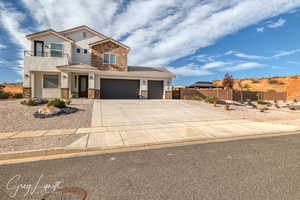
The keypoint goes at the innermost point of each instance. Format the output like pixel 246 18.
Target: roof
pixel 109 39
pixel 49 31
pixel 133 71
pixel 204 84
pixel 79 67
pixel 85 28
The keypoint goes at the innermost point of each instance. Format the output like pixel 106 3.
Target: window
pixel 50 81
pixel 85 51
pixel 110 59
pixel 56 50
pixel 77 50
pixel 84 34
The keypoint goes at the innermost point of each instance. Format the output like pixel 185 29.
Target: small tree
pixel 228 82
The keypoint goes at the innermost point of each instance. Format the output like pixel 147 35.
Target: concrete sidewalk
pixel 45 143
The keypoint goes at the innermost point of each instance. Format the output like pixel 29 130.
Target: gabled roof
pixel 83 27
pixel 112 40
pixel 47 32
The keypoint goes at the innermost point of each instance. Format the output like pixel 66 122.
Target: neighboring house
pixel 82 62
pixel 204 84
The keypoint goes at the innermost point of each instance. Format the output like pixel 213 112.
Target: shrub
pixel 4 95
pixel 255 81
pixel 57 103
pixel 262 102
pixel 74 94
pixel 31 102
pixel 68 101
pixel 196 98
pixel 212 100
pixel 18 95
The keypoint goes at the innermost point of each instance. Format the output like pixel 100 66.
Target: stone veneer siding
pixel 93 93
pixel 168 95
pixel 64 93
pixel 109 47
pixel 27 92
pixel 144 94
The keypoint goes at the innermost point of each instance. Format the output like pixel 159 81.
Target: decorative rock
pixel 51 111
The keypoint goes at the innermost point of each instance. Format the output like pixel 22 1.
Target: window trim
pixel 61 51
pixel 109 61
pixel 50 75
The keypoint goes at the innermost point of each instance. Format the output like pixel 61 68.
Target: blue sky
pixel 196 39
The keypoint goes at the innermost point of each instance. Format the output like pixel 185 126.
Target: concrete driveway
pixel 139 112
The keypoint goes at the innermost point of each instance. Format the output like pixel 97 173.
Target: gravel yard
pixel 17 117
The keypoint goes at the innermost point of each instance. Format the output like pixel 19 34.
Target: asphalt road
pixel 265 168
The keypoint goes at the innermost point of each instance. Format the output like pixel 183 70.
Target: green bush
pixel 57 103
pixel 4 95
pixel 31 102
pixel 262 102
pixel 18 95
pixel 197 98
pixel 68 101
pixel 212 100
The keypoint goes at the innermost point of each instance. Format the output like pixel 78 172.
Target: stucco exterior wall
pixel 41 92
pixel 48 39
pixel 82 43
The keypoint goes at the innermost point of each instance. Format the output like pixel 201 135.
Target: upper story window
pixel 85 51
pixel 77 50
pixel 84 34
pixel 110 59
pixel 56 50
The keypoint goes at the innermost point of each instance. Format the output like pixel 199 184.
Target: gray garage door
pixel 155 89
pixel 119 89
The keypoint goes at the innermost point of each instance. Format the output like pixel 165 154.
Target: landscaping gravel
pixel 17 117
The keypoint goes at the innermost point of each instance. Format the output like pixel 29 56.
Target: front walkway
pixel 138 135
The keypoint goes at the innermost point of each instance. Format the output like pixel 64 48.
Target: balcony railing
pixel 55 54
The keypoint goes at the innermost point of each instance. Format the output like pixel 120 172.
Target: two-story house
pixel 85 63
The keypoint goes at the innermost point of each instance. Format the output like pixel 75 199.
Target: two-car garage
pixel 129 89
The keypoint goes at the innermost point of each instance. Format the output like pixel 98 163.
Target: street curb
pixel 56 153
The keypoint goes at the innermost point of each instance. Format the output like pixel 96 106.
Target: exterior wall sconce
pixel 26 75
pixel 65 76
pixel 91 77
pixel 144 82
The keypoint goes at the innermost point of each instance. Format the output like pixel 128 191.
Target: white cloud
pixel 214 65
pixel 243 55
pixel 158 32
pixel 2 46
pixel 286 53
pixel 243 66
pixel 189 70
pixel 278 23
pixel 260 29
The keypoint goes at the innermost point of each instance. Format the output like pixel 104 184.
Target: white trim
pixel 116 55
pixel 62 50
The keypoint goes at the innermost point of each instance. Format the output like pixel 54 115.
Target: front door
pixel 83 86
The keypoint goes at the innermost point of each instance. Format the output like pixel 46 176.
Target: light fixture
pixel 65 76
pixel 91 77
pixel 26 76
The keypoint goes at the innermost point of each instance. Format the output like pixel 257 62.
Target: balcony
pixel 44 61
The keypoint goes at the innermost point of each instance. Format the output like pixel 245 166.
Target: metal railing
pixel 46 54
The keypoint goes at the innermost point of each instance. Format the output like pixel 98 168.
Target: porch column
pixel 65 84
pixel 167 89
pixel 27 84
pixel 143 89
pixel 93 91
